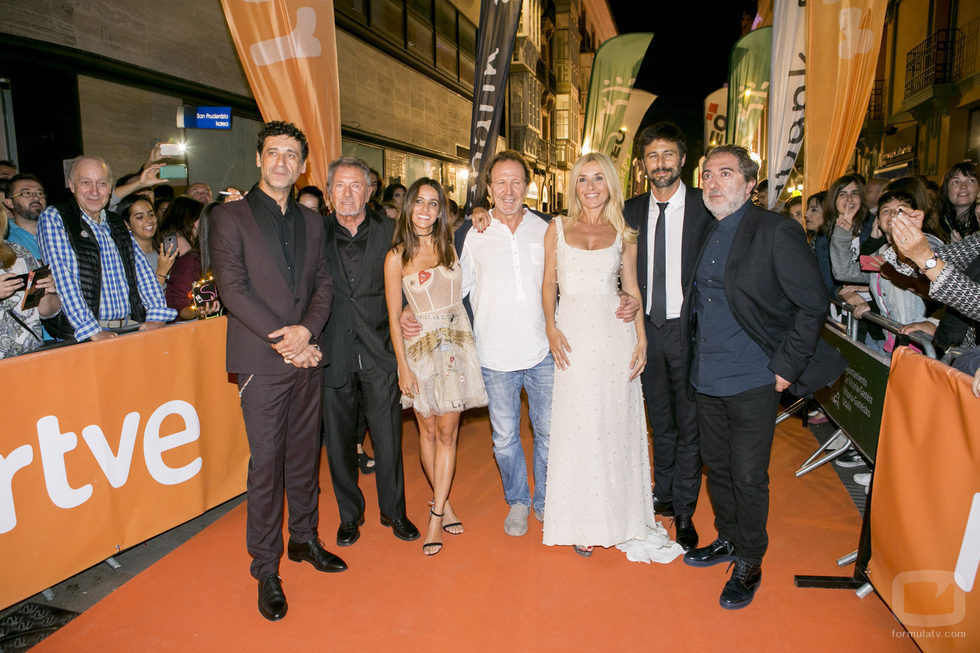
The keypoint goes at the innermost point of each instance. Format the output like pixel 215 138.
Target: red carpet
pixel 487 591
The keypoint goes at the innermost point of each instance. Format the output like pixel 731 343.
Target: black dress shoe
pixel 663 508
pixel 349 531
pixel 740 588
pixel 272 601
pixel 715 553
pixel 685 533
pixel 314 553
pixel 401 527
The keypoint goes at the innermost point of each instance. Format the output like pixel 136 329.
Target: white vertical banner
pixel 716 117
pixel 637 107
pixel 786 93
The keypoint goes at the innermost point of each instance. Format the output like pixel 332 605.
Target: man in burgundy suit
pixel 270 266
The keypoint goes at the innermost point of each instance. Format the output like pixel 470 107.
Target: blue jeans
pixel 504 394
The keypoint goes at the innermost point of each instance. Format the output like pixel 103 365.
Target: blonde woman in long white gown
pixel 599 462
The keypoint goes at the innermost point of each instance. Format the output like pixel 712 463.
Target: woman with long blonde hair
pixel 598 463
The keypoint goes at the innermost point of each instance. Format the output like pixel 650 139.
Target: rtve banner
pixel 106 444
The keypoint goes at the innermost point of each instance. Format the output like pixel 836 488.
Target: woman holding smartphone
pixel 137 212
pixel 438 371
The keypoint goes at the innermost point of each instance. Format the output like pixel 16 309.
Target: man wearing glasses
pixel 26 201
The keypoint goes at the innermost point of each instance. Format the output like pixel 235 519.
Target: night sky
pixel 688 58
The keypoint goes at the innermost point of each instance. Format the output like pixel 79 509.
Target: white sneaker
pixel 849 459
pixel 516 522
pixel 863 479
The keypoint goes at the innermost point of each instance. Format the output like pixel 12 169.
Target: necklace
pixel 419 234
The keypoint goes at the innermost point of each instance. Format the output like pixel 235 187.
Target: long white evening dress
pixel 599 461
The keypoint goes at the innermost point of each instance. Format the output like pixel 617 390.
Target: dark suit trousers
pixel 673 416
pixel 378 390
pixel 282 420
pixel 736 440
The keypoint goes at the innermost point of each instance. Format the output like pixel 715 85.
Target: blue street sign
pixel 204 118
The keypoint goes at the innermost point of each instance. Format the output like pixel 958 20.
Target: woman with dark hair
pixel 181 219
pixel 438 371
pixel 139 216
pixel 924 200
pixel 394 193
pixel 312 198
pixel 794 210
pixel 818 234
pixel 194 267
pixel 890 290
pixel 959 200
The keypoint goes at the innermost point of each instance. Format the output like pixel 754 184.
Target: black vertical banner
pixel 494 47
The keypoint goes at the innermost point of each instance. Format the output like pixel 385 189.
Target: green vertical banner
pixel 748 91
pixel 613 74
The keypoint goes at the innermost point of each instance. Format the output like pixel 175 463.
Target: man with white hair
pixel 103 279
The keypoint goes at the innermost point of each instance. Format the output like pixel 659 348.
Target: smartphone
pixel 171 149
pixel 169 244
pixel 33 294
pixel 869 263
pixel 173 171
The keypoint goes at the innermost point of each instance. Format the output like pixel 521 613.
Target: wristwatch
pixel 930 262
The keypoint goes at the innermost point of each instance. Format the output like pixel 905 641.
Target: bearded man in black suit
pixel 671 221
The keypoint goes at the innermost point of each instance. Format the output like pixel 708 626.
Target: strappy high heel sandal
pixel 432 548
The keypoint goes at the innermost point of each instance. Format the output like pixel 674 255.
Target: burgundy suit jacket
pixel 253 282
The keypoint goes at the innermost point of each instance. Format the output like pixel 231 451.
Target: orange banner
pixel 925 504
pixel 106 444
pixel 288 49
pixel 843 40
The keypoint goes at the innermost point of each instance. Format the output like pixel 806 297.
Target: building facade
pixel 924 113
pixel 109 80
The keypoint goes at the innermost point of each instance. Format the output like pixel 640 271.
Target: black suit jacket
pixel 359 307
pixel 254 284
pixel 777 296
pixel 697 221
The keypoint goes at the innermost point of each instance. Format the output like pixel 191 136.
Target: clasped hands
pixel 295 346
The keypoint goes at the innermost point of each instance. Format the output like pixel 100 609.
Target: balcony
pixel 947 56
pixel 931 62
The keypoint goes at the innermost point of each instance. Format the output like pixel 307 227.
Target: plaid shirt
pixel 56 250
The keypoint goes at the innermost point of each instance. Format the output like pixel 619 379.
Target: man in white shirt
pixel 503 268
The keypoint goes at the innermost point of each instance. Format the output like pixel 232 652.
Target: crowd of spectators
pixel 116 257
pixel 122 254
pixel 153 233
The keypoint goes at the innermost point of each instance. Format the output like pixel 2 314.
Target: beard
pixel 673 174
pixel 348 213
pixel 28 214
pixel 723 207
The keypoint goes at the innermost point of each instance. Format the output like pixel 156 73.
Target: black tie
pixel 658 294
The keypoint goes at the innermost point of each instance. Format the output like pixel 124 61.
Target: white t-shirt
pixel 502 274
